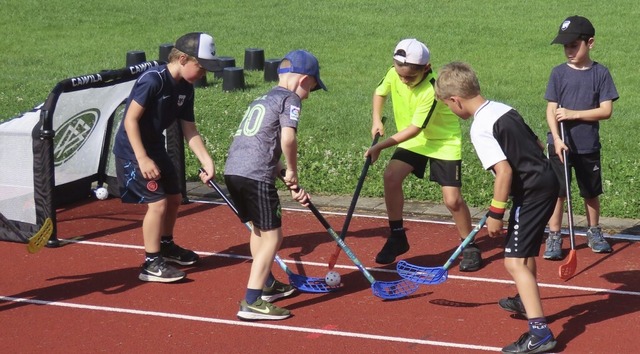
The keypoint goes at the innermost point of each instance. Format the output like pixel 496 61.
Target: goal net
pixel 54 154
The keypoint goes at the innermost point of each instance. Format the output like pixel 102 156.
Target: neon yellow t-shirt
pixel 442 136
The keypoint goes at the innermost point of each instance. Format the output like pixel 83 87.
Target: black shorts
pixel 256 201
pixel 527 222
pixel 588 172
pixel 444 172
pixel 135 189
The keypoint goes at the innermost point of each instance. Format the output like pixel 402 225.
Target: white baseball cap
pixel 201 46
pixel 411 51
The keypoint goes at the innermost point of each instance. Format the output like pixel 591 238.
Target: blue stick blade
pixel 393 289
pixel 310 285
pixel 422 275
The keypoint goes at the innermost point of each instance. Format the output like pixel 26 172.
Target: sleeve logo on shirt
pixel 294 113
pixel 181 99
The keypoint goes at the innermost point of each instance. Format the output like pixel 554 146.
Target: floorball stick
pixel 568 269
pixel 345 227
pixel 300 282
pixel 436 275
pixel 386 290
pixel 36 242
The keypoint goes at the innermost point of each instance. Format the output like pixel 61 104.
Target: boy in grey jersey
pixel 268 131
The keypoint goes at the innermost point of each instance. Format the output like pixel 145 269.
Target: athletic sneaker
pixel 513 304
pixel 176 254
pixel 261 310
pixel 596 241
pixel 276 291
pixel 160 271
pixel 530 343
pixel 471 259
pixel 395 246
pixel 553 246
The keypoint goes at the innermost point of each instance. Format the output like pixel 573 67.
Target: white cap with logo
pixel 411 51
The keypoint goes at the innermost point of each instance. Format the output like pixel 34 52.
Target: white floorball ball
pixel 332 278
pixel 101 193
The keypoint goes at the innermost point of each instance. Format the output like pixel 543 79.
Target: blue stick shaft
pixel 341 243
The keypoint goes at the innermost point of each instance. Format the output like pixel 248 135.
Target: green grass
pixel 507 42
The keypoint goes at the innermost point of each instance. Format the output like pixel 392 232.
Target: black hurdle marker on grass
pixel 135 57
pixel 223 62
pixel 232 79
pixel 253 59
pixel 271 69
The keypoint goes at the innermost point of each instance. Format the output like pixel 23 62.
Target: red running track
pixel 85 296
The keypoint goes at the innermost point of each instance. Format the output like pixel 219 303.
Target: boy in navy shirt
pixel 146 175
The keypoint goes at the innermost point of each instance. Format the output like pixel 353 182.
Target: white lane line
pixel 620 236
pixel 250 324
pixel 340 266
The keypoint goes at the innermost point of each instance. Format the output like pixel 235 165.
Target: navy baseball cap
pixel 303 62
pixel 572 29
pixel 201 46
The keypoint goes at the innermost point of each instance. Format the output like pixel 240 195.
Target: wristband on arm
pixel 496 210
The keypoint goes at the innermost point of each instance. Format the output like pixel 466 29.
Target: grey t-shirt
pixel 256 150
pixel 581 90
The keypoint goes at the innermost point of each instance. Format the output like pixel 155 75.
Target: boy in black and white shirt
pixel 507 146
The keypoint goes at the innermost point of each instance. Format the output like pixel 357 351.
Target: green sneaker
pixel 261 310
pixel 276 291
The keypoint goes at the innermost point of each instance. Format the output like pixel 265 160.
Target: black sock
pixel 538 327
pixel 166 240
pixel 149 257
pixel 397 228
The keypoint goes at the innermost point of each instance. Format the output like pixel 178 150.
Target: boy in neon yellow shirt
pixel 427 132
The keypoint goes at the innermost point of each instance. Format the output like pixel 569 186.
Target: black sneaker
pixel 530 343
pixel 176 254
pixel 395 246
pixel 159 271
pixel 261 310
pixel 471 259
pixel 276 291
pixel 513 304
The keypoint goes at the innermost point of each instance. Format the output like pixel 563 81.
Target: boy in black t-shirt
pixel 580 93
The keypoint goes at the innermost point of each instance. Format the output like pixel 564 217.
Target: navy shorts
pixel 257 202
pixel 527 222
pixel 445 173
pixel 588 172
pixel 135 189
